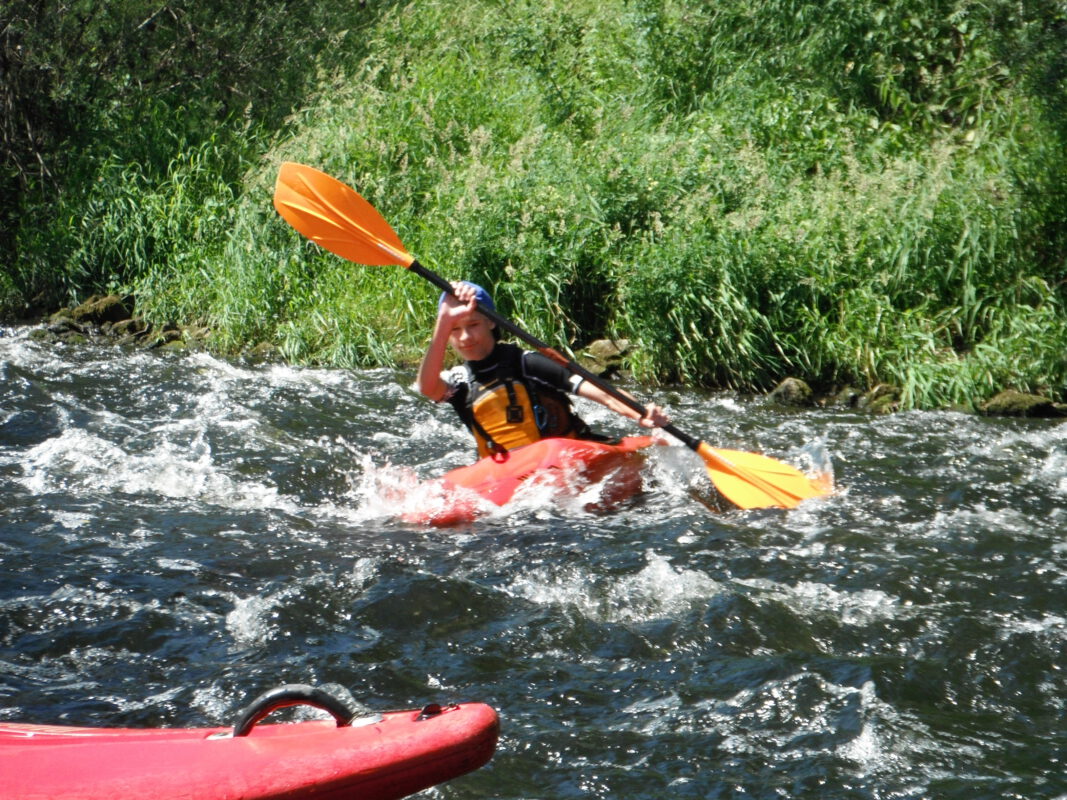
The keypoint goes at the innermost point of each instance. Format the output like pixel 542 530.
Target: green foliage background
pixel 849 191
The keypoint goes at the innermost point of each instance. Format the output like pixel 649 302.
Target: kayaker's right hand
pixel 460 304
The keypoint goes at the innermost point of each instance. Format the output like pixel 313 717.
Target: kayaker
pixel 505 395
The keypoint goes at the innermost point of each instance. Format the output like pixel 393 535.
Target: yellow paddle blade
pixel 749 480
pixel 336 217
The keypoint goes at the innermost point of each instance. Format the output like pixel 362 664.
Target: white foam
pixel 1052 625
pixel 1052 471
pixel 178 564
pixel 953 522
pixel 384 491
pixel 211 702
pixel 77 459
pixel 71 520
pixel 807 598
pixel 250 621
pixel 657 591
pixel 867 749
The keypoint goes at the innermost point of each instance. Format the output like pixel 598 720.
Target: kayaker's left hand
pixel 654 417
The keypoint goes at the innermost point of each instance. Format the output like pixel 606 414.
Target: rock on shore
pixel 885 399
pixel 112 317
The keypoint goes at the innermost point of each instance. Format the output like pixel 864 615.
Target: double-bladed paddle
pixel 336 217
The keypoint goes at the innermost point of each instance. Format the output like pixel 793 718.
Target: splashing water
pixel 181 533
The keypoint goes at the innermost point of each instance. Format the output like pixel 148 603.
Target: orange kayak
pixel 567 464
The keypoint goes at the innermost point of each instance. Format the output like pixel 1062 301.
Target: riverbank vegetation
pixel 850 192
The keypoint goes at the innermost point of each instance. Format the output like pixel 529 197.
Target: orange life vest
pixel 507 413
pixel 506 408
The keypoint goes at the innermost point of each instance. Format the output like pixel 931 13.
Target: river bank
pixel 111 319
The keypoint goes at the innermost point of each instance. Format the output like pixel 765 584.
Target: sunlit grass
pixel 746 191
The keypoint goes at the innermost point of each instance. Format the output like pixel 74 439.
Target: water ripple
pixel 181 533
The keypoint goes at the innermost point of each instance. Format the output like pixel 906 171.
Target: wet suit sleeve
pixel 545 370
pixel 548 371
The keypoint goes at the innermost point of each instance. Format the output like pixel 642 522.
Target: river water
pixel 180 533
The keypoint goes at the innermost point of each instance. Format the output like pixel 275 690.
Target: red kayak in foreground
pixel 389 755
pixel 568 465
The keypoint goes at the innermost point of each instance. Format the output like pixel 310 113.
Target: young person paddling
pixel 506 396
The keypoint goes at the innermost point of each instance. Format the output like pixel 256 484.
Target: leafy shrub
pixel 850 192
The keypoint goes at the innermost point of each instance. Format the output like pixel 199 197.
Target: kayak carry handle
pixel 431 710
pixel 292 694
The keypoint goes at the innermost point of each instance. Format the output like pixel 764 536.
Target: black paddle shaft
pixel 552 353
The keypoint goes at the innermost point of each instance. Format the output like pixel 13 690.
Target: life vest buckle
pixel 515 415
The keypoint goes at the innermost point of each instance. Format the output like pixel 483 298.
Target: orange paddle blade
pixel 749 480
pixel 336 217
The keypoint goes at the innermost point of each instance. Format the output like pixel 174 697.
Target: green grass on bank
pixel 848 192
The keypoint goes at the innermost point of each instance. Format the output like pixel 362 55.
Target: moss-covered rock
pixel 101 309
pixel 792 392
pixel 605 357
pixel 1011 403
pixel 882 399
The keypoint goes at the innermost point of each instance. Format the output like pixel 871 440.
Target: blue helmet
pixel 480 295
